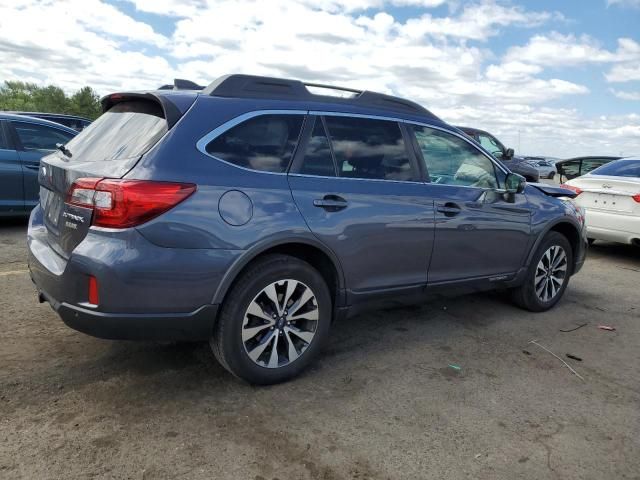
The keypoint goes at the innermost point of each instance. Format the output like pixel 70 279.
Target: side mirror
pixel 509 153
pixel 514 183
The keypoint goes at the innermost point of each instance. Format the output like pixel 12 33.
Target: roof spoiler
pixel 171 112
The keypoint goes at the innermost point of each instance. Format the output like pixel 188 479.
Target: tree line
pixel 29 97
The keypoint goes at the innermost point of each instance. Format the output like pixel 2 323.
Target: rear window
pixel 621 168
pixel 127 130
pixel 265 143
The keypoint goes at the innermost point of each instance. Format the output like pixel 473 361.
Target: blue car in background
pixel 72 121
pixel 23 142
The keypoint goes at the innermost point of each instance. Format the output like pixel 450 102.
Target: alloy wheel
pixel 551 273
pixel 280 323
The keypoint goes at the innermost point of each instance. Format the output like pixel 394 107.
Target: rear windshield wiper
pixel 63 149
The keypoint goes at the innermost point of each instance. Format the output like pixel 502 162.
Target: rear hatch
pixel 108 148
pixel 609 194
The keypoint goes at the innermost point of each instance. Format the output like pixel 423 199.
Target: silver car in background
pixel 545 167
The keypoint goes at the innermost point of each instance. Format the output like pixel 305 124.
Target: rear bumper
pixel 612 227
pixel 146 292
pixel 196 325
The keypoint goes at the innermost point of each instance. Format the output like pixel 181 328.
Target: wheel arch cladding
pixel 570 231
pixel 318 257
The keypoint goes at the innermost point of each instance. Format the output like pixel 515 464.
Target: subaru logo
pixel 604 185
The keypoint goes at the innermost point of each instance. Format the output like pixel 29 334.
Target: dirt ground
pixel 381 403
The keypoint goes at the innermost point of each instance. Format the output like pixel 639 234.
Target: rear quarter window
pixel 265 143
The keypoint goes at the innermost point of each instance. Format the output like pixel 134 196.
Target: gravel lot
pixel 381 402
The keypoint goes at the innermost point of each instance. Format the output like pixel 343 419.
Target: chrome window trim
pixel 229 124
pixel 355 115
pixel 216 132
pixel 414 182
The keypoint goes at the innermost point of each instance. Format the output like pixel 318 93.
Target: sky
pixel 546 77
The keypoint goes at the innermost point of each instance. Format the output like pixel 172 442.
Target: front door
pixel 34 142
pixel 358 189
pixel 11 189
pixel 480 232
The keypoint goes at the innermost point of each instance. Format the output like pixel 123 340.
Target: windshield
pixel 491 144
pixel 127 130
pixel 620 168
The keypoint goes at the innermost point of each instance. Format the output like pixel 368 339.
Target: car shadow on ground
pixel 119 372
pixel 14 222
pixel 617 251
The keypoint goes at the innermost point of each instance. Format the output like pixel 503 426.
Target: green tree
pixel 22 96
pixel 86 102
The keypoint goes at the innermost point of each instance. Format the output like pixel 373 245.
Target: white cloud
pixel 556 49
pixel 624 73
pixel 624 3
pixel 624 95
pixel 476 22
pixel 444 63
pixel 76 43
pixel 187 8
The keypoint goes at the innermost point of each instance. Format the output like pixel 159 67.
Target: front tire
pixel 274 320
pixel 547 276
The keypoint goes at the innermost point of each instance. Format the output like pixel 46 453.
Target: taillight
pixel 126 203
pixel 636 197
pixel 572 188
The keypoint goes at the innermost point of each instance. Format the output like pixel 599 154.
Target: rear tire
pixel 548 274
pixel 274 321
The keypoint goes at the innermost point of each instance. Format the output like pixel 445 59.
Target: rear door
pixel 33 141
pixel 480 232
pixel 11 189
pixel 108 148
pixel 358 187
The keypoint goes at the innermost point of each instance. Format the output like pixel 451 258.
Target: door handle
pixel 331 203
pixel 449 209
pixel 32 167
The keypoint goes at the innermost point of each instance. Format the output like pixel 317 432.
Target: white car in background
pixel 610 196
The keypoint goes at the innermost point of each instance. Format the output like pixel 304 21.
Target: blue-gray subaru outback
pixel 255 212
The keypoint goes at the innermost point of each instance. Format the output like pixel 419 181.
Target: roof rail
pixel 180 84
pixel 252 86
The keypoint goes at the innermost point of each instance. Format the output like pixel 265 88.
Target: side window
pixel 371 149
pixel 40 137
pixel 570 169
pixel 4 143
pixel 491 145
pixel 265 143
pixel 453 161
pixel 317 155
